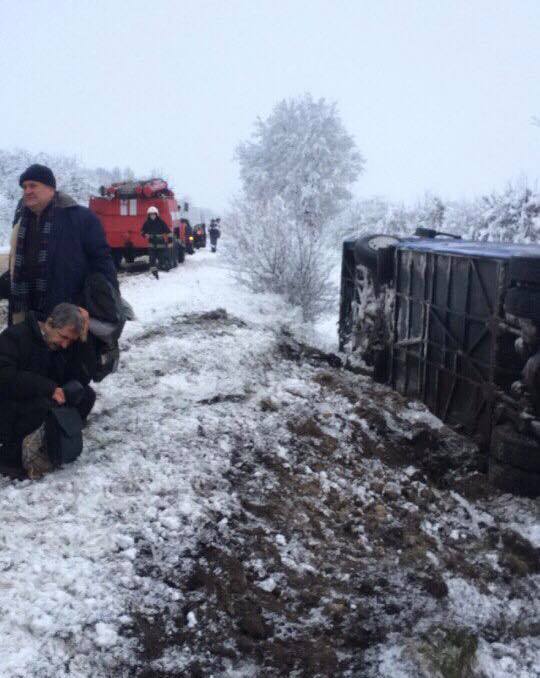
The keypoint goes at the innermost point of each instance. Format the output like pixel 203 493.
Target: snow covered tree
pixel 510 216
pixel 296 173
pixel 302 154
pixel 464 217
pixel 272 252
pixel 375 215
pixel 430 213
pixel 116 174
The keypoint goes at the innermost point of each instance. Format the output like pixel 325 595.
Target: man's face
pixel 152 215
pixel 36 196
pixel 58 338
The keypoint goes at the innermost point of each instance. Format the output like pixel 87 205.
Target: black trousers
pixel 31 414
pixel 158 257
pixel 153 255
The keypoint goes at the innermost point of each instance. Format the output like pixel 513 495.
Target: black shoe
pixel 11 460
pixel 13 472
pixel 87 403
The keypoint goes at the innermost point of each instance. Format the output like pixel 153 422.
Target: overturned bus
pixel 455 324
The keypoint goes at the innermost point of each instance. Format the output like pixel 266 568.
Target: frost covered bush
pixel 374 215
pixel 273 252
pixel 512 215
pixel 303 155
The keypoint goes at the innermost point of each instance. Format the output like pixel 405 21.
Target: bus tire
pixel 512 448
pixel 510 479
pixel 523 302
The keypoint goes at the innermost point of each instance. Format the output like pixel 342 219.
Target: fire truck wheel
pixel 523 302
pixel 510 479
pixel 524 269
pixel 515 449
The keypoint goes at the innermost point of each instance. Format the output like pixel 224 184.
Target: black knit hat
pixel 38 173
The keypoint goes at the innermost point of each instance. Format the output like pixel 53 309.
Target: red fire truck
pixel 122 209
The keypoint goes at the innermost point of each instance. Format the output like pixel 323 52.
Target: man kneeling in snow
pixel 36 360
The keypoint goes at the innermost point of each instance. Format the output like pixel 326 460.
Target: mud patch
pixel 219 315
pixel 217 322
pixel 344 536
pixel 292 349
pixel 223 398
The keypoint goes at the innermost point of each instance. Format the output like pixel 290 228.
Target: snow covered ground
pixel 245 508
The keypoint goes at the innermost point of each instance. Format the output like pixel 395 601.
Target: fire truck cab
pixel 122 209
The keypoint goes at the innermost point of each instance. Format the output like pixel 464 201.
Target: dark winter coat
pixel 76 248
pixel 214 233
pixel 154 227
pixel 29 369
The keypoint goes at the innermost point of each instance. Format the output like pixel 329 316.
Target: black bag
pixel 104 304
pixel 102 300
pixel 63 428
pixel 108 357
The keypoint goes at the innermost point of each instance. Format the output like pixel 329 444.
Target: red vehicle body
pixel 122 209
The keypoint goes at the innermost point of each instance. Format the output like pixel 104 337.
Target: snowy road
pixel 242 508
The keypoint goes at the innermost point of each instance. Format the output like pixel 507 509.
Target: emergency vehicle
pixel 122 209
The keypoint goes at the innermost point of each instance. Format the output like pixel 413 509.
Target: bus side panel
pixel 445 346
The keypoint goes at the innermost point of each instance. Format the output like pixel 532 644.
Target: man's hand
pixel 59 396
pixel 86 323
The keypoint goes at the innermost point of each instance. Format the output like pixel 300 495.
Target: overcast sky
pixel 439 94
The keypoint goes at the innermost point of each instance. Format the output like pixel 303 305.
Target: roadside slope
pixel 243 508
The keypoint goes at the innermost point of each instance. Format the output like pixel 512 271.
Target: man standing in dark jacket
pixel 55 245
pixel 154 228
pixel 36 360
pixel 214 233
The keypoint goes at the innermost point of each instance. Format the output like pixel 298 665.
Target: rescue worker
pixel 155 229
pixel 55 244
pixel 189 236
pixel 36 360
pixel 214 233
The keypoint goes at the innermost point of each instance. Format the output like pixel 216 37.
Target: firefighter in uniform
pixel 155 229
